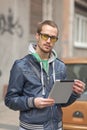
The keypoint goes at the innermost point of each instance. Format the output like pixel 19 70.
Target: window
pixel 80 24
pixel 80 30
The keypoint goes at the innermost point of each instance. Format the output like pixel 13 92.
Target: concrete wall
pixel 14 35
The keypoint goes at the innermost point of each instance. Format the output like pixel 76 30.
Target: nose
pixel 49 40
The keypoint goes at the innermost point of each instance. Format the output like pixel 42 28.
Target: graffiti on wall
pixel 7 24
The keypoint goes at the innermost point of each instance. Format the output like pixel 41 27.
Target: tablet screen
pixel 61 91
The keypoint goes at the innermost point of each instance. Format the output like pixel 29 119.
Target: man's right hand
pixel 40 102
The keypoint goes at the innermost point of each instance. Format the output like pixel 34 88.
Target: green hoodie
pixel 44 62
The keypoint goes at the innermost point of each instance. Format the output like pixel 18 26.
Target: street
pixel 9 119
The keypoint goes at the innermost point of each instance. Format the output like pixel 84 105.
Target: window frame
pixel 78 31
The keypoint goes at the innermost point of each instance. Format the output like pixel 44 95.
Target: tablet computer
pixel 61 91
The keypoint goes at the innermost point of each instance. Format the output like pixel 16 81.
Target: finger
pixel 42 102
pixel 47 102
pixel 79 84
pixel 78 89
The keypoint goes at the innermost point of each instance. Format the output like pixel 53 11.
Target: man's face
pixel 47 38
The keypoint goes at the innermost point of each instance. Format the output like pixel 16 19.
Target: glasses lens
pixel 53 39
pixel 46 36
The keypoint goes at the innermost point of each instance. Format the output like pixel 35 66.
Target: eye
pixel 45 35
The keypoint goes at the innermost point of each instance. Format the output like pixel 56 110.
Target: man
pixel 33 77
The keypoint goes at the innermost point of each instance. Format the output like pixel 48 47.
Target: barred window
pixel 80 30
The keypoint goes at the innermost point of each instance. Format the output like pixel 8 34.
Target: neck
pixel 43 55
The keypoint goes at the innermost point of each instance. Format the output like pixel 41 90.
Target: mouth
pixel 47 46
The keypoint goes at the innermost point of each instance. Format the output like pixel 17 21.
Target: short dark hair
pixel 46 22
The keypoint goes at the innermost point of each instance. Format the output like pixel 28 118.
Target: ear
pixel 37 36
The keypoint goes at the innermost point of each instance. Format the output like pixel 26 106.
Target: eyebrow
pixel 49 35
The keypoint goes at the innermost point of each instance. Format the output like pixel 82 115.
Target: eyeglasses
pixel 46 36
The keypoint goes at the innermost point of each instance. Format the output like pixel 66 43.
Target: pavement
pixel 9 119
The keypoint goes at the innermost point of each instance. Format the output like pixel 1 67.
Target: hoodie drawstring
pixel 42 80
pixel 42 77
pixel 54 78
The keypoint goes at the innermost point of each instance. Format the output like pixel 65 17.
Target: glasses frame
pixel 46 37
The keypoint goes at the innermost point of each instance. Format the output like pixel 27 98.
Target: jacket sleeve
pixel 14 98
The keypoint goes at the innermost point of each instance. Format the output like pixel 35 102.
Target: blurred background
pixel 18 21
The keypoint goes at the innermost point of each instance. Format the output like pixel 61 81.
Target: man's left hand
pixel 78 86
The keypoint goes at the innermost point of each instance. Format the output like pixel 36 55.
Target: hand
pixel 78 86
pixel 40 102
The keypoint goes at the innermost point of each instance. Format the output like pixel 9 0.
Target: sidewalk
pixel 9 119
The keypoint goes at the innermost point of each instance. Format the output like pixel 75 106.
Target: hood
pixel 32 47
